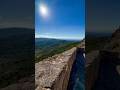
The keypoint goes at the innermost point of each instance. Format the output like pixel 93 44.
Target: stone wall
pixel 92 68
pixel 108 75
pixel 53 73
pixel 102 70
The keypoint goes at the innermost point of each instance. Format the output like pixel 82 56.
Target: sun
pixel 43 10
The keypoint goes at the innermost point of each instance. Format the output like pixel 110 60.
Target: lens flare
pixel 43 10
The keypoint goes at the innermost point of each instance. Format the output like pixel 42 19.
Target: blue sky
pixel 65 19
pixel 17 13
pixel 103 16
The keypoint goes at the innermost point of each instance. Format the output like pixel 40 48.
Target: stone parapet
pixel 53 73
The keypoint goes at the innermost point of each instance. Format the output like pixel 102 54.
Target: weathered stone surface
pixel 92 68
pixel 118 69
pixel 90 57
pixel 53 73
pixel 82 44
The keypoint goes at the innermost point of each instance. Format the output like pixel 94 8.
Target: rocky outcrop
pixel 103 66
pixel 53 73
pixel 114 44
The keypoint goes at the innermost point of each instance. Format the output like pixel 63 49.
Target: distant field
pixel 48 47
pixel 16 55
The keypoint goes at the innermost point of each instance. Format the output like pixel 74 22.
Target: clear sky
pixel 62 19
pixel 17 13
pixel 103 16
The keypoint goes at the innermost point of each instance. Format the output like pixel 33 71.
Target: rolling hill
pixel 45 47
pixel 16 54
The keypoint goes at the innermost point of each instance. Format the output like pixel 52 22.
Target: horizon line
pixel 60 38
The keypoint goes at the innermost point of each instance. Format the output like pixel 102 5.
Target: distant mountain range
pixel 45 47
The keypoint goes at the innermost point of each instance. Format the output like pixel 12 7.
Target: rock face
pixel 53 73
pixel 92 68
pixel 114 44
pixel 103 66
pixel 108 77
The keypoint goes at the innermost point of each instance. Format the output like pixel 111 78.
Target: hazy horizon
pixel 59 38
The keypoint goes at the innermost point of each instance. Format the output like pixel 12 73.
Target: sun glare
pixel 43 10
